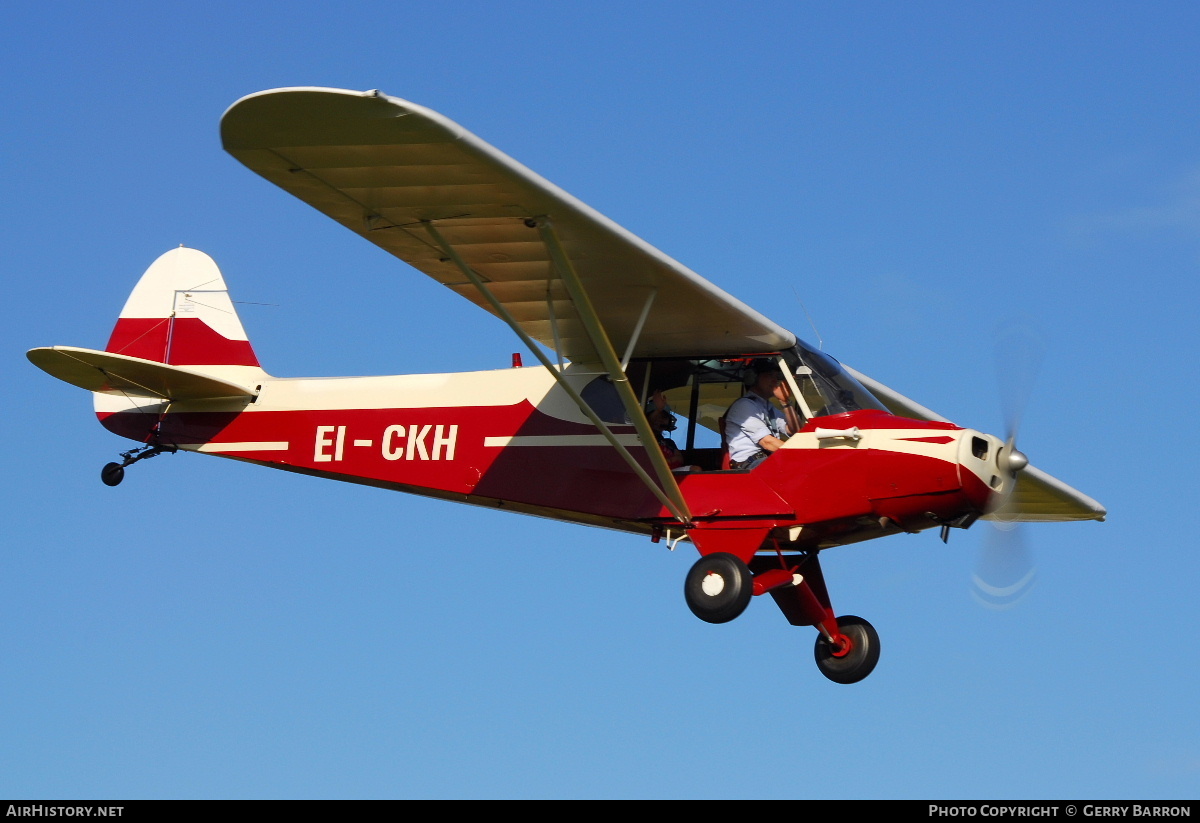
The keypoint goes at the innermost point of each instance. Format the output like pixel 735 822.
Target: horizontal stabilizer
pixel 109 373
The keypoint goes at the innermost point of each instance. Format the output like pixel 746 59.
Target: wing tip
pixel 317 115
pixel 304 89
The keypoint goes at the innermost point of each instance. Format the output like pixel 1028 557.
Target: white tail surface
pixel 180 313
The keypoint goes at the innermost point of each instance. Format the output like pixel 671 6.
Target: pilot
pixel 753 426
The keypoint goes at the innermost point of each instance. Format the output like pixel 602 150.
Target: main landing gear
pixel 852 654
pixel 718 588
pixel 113 473
pixel 720 585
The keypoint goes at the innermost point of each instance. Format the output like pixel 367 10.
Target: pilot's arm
pixel 770 443
pixel 744 422
pixel 784 395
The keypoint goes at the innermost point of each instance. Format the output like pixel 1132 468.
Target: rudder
pixel 180 313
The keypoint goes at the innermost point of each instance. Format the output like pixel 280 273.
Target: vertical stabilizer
pixel 180 313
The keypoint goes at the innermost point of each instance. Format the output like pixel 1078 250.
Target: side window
pixel 601 395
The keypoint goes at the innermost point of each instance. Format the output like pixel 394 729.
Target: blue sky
pixel 920 174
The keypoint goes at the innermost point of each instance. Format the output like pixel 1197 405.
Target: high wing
pixel 1038 497
pixel 391 171
pixel 428 191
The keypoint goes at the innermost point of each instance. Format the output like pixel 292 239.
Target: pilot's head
pixel 766 375
pixel 659 413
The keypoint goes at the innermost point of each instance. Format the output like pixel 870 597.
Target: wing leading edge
pixel 387 169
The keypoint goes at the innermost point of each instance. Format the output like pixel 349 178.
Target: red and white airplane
pixel 569 438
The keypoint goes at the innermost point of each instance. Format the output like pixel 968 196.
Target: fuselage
pixel 513 439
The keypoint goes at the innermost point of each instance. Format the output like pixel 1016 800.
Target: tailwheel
pixel 718 588
pixel 112 474
pixel 853 653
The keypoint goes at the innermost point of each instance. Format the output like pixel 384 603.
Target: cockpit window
pixel 700 391
pixel 825 387
pixel 602 396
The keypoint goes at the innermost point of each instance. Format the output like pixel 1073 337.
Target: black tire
pixel 862 657
pixel 112 474
pixel 718 588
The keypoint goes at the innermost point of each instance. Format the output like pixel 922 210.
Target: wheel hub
pixel 713 584
pixel 841 646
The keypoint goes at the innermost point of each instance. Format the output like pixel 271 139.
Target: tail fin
pixel 180 313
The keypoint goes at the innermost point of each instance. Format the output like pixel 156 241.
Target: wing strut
pixel 637 331
pixel 608 356
pixel 672 496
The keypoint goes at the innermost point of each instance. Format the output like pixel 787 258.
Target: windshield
pixel 825 387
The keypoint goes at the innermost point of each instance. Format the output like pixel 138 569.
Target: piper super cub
pixel 580 437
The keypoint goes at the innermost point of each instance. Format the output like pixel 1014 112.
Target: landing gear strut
pixel 113 473
pixel 847 647
pixel 720 585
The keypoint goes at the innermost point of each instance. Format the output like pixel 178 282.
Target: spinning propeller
pixel 1005 570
